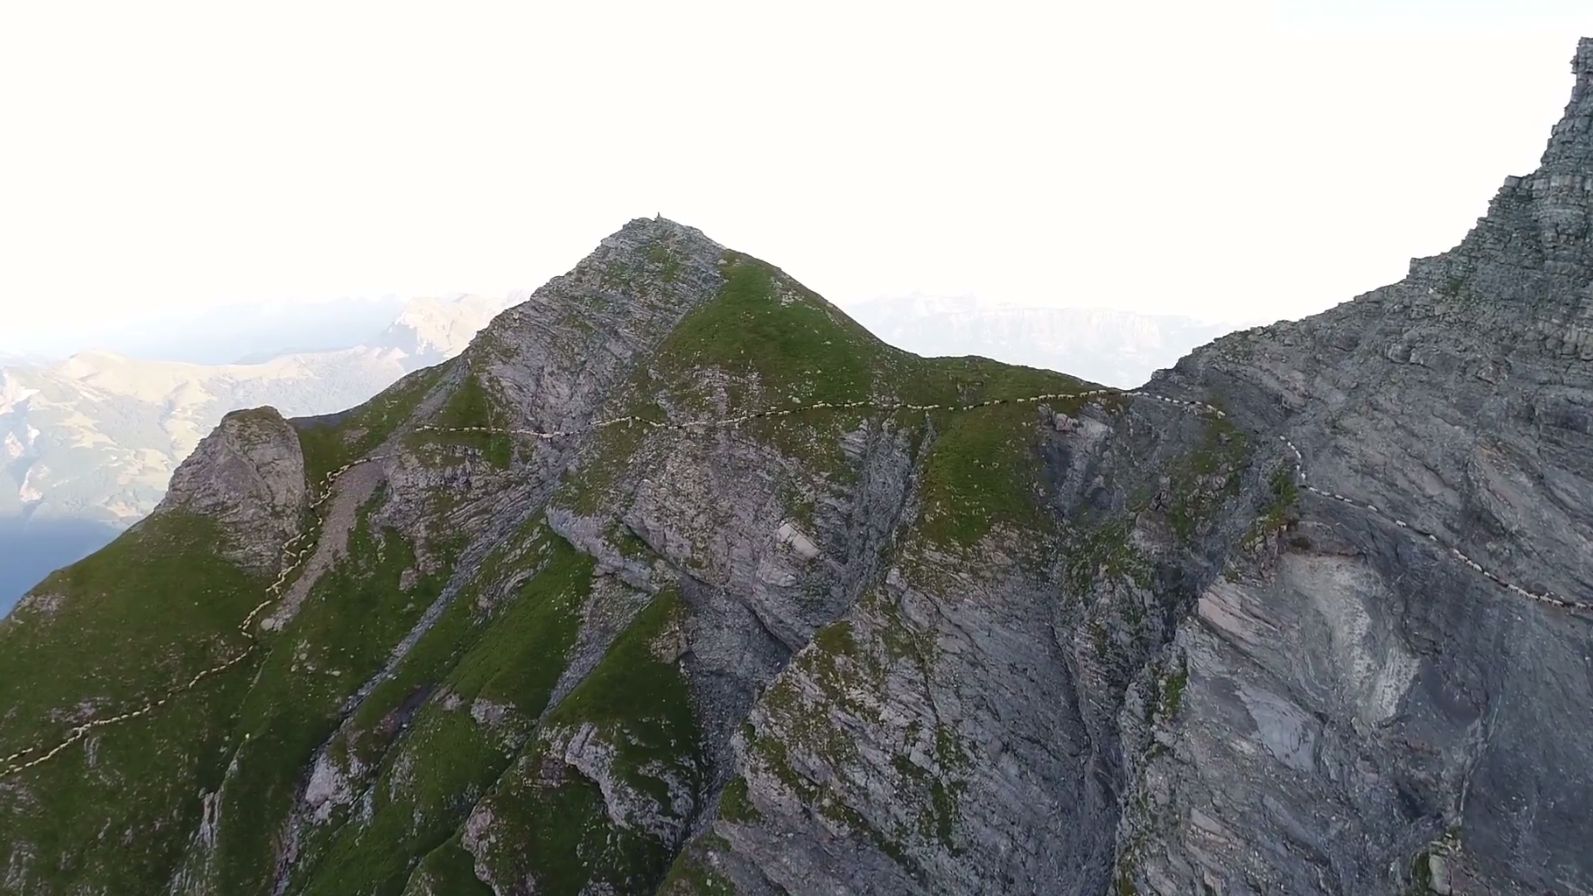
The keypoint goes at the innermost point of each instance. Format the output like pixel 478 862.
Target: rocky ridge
pixel 678 581
pixel 89 444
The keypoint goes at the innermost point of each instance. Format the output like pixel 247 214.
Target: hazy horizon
pixel 250 332
pixel 1237 161
pixel 236 333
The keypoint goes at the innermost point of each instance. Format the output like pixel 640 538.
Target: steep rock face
pixel 248 475
pixel 1367 696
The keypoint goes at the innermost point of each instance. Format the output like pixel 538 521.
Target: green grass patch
pixel 1285 488
pixel 522 653
pixel 554 822
pixel 1167 694
pixel 342 635
pixel 447 870
pixel 809 726
pixel 1281 511
pixel 471 407
pixel 132 622
pixel 642 702
pixel 981 472
pixel 1195 495
pixel 667 261
pixel 735 803
pixel 774 754
pixel 983 468
pixel 448 760
pixel 799 346
pixel 562 838
pixel 765 329
pixel 329 446
pixel 1106 553
pixel 622 539
pixel 693 875
pixel 424 792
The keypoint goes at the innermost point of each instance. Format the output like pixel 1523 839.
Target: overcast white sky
pixel 1236 160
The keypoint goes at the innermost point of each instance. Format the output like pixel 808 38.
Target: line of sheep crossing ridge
pixel 294 554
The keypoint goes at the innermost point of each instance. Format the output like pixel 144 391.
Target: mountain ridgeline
pixel 87 445
pixel 678 581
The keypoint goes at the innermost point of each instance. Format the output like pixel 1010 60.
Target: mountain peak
pixel 1533 248
pixel 1572 142
pixel 647 232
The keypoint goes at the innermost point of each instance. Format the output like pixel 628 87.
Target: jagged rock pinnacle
pixel 248 475
pixel 1533 248
pixel 659 228
pixel 1572 142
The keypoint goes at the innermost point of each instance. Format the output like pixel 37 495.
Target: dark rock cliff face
pixel 1368 695
pixel 678 581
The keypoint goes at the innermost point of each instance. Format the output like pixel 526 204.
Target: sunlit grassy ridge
pixel 779 345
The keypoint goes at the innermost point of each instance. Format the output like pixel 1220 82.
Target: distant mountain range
pixel 234 333
pixel 1115 348
pixel 87 444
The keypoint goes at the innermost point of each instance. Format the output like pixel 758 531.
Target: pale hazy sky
pixel 1234 160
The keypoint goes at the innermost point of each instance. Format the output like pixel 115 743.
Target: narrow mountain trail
pixel 356 482
pixel 293 556
pixel 302 547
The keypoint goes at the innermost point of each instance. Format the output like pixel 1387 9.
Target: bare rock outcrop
pixel 248 476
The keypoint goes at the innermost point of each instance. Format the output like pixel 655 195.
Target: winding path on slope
pixel 302 547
